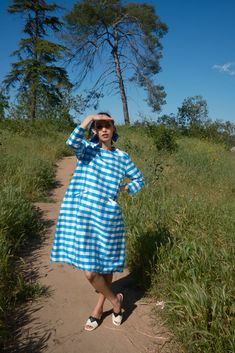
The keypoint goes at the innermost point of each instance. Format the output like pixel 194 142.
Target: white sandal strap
pixel 92 323
pixel 117 319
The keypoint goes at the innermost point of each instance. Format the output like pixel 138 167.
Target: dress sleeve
pixel 137 179
pixel 77 141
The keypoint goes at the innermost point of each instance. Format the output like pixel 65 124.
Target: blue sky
pixel 198 57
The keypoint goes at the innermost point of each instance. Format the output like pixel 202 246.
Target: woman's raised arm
pixel 76 140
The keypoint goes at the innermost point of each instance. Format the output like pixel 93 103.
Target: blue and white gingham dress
pixel 90 228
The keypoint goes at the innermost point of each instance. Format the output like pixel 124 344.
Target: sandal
pixel 93 322
pixel 117 317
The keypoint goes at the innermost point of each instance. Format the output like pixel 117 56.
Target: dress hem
pixel 89 270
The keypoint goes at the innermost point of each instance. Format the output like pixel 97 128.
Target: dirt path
pixel 54 324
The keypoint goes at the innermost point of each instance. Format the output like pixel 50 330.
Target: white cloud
pixel 228 68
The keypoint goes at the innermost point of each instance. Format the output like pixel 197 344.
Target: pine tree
pixel 3 104
pixel 36 74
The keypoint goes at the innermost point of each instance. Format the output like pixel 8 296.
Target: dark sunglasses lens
pixel 107 125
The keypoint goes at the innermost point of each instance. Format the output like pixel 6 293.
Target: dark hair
pixel 104 113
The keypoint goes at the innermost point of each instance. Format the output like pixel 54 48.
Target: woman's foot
pixel 92 323
pixel 94 320
pixel 117 311
pixel 118 306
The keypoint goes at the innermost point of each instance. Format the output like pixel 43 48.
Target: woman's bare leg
pixel 99 282
pixel 98 310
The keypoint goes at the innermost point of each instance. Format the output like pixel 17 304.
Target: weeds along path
pixel 55 322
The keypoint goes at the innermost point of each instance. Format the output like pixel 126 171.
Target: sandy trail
pixel 54 324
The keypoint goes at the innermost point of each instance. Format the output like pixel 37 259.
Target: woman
pixel 90 227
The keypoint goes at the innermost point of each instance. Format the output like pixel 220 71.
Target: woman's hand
pixel 84 124
pixel 101 117
pixel 123 188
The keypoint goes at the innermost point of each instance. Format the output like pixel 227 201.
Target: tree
pixel 3 105
pixel 35 74
pixel 126 38
pixel 193 112
pixel 168 121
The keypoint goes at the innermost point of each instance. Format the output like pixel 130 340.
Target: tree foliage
pixel 3 104
pixel 168 121
pixel 36 73
pixel 192 120
pixel 193 112
pixel 124 38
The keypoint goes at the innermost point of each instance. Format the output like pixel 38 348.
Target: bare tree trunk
pixel 33 112
pixel 120 80
pixel 33 106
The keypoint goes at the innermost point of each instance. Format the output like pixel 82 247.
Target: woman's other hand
pixel 123 188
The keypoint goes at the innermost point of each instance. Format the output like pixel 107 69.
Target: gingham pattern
pixel 90 228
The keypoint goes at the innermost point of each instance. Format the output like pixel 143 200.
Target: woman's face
pixel 104 130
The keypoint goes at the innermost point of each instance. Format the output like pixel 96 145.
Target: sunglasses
pixel 107 124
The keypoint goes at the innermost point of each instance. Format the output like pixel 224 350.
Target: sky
pixel 198 57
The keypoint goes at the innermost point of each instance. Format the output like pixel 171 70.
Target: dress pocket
pixel 112 202
pixel 80 192
pixel 113 205
pixel 79 197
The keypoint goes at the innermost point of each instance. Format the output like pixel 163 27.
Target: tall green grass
pixel 180 237
pixel 28 154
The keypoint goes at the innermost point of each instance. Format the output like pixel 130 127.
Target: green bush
pixel 214 131
pixel 164 138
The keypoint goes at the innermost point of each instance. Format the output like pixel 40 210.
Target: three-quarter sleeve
pixel 133 173
pixel 77 141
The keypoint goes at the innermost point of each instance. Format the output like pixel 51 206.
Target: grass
pixel 180 238
pixel 180 228
pixel 195 274
pixel 28 155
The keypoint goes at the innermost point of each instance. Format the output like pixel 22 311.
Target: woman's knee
pixel 90 275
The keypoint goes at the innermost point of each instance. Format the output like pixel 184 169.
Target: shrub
pixel 164 138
